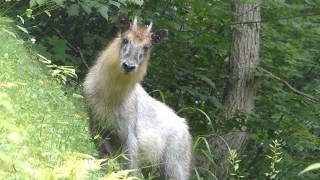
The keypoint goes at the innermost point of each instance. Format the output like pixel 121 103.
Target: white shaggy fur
pixel 149 129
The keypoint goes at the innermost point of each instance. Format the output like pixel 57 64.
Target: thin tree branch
pixel 82 58
pixel 296 91
pixel 76 49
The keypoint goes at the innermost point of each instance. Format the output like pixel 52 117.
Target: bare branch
pixel 76 49
pixel 82 58
pixel 296 91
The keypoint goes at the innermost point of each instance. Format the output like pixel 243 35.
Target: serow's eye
pixel 145 48
pixel 125 41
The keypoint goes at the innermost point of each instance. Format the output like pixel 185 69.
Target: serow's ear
pixel 123 22
pixel 160 36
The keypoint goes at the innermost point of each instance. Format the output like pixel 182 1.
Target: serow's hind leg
pixel 107 143
pixel 104 139
pixel 104 147
pixel 163 175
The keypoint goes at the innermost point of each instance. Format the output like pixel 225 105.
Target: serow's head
pixel 136 43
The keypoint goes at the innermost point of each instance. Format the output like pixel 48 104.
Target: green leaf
pixel 29 13
pixel 138 2
pixel 41 2
pixel 73 10
pixel 311 168
pixel 115 3
pixel 59 2
pixel 32 3
pixel 23 29
pixel 59 47
pixel 103 10
pixel 21 19
pixel 86 8
pixel 47 13
pixel 37 2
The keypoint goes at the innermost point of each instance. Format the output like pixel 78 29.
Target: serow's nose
pixel 128 68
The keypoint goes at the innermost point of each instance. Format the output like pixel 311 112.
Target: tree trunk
pixel 241 88
pixel 244 58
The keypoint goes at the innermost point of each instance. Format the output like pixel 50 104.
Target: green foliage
pixel 274 158
pixel 74 8
pixel 189 71
pixel 61 73
pixel 43 131
pixel 234 162
pixel 205 166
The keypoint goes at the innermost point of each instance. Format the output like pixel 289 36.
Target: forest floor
pixel 43 129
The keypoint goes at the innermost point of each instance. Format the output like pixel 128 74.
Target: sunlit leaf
pixel 311 167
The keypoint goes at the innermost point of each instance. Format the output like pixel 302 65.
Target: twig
pixel 82 58
pixel 289 86
pixel 76 49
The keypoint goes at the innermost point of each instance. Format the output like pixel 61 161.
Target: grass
pixel 43 131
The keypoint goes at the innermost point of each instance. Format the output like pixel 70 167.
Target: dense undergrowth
pixel 43 131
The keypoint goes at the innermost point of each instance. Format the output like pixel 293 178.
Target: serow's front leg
pixel 133 150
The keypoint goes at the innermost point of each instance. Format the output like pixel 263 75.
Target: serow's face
pixel 133 54
pixel 136 42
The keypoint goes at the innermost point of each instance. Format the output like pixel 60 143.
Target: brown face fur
pixel 134 49
pixel 135 43
pixel 139 34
